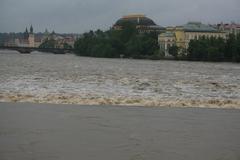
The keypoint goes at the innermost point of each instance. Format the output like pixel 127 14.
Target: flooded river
pixel 68 79
pixel 69 132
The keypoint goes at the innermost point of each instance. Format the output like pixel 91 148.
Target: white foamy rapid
pixel 49 78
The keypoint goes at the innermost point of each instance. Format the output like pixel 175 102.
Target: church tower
pixel 31 38
pixel 25 34
pixel 31 30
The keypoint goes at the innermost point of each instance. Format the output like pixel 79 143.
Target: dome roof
pixel 136 20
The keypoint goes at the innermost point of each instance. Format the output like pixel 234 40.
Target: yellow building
pixel 182 35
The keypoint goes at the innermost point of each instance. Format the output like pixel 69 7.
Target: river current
pixel 69 79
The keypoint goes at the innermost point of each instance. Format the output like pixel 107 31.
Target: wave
pixel 119 100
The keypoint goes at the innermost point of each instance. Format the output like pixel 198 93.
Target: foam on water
pixel 135 101
pixel 49 78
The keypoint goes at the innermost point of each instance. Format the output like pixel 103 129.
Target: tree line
pixel 127 42
pixel 51 43
pixel 211 49
pixel 130 43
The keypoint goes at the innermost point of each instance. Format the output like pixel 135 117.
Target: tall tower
pixel 46 35
pixel 25 34
pixel 31 38
pixel 31 30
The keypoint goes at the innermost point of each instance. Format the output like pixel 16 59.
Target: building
pixel 59 40
pixel 31 38
pixel 231 28
pixel 142 23
pixel 182 35
pixel 166 40
pixel 27 40
pixel 10 43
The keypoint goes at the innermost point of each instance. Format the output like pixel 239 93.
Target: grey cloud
pixel 82 15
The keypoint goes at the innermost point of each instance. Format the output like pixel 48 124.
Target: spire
pixel 31 29
pixel 25 34
pixel 46 31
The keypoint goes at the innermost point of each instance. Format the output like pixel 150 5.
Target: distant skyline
pixel 78 16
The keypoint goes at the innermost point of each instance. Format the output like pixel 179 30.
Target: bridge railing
pixel 31 49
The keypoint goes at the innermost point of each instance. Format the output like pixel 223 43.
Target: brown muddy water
pixel 68 79
pixel 71 132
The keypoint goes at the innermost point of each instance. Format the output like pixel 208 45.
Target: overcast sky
pixel 78 16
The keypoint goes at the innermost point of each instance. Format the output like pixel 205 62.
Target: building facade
pixel 232 28
pixel 31 38
pixel 182 35
pixel 166 40
pixel 28 39
pixel 60 40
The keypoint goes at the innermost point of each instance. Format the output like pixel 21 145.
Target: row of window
pixel 204 35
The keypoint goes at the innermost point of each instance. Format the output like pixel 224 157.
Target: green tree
pixel 236 49
pixel 206 49
pixel 229 46
pixel 49 43
pixel 133 47
pixel 173 50
pixel 214 54
pixel 113 43
pixel 67 46
pixel 128 31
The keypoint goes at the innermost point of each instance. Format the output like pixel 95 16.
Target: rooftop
pixel 133 16
pixel 167 34
pixel 140 20
pixel 137 19
pixel 198 27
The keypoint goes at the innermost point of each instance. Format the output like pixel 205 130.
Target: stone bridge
pixel 27 50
